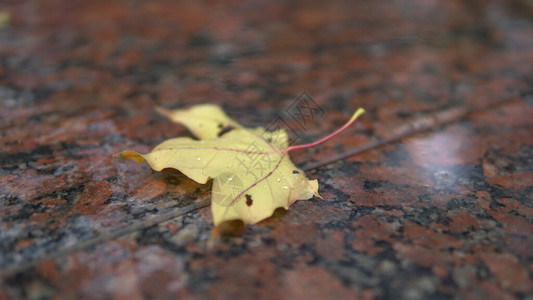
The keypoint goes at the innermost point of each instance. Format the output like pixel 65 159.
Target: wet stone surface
pixel 445 214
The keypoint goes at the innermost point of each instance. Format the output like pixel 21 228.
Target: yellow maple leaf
pixel 250 167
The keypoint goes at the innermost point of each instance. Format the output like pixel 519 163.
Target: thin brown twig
pixel 425 123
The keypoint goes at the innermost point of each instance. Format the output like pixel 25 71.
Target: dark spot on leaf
pixel 249 200
pixel 295 172
pixel 225 129
pixel 220 125
pixel 269 139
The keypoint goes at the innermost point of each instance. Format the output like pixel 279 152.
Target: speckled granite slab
pixel 445 214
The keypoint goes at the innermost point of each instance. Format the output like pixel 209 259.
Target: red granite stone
pixel 440 214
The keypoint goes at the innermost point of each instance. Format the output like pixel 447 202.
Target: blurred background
pixel 81 54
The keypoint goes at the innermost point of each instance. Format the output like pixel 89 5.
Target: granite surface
pixel 444 214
